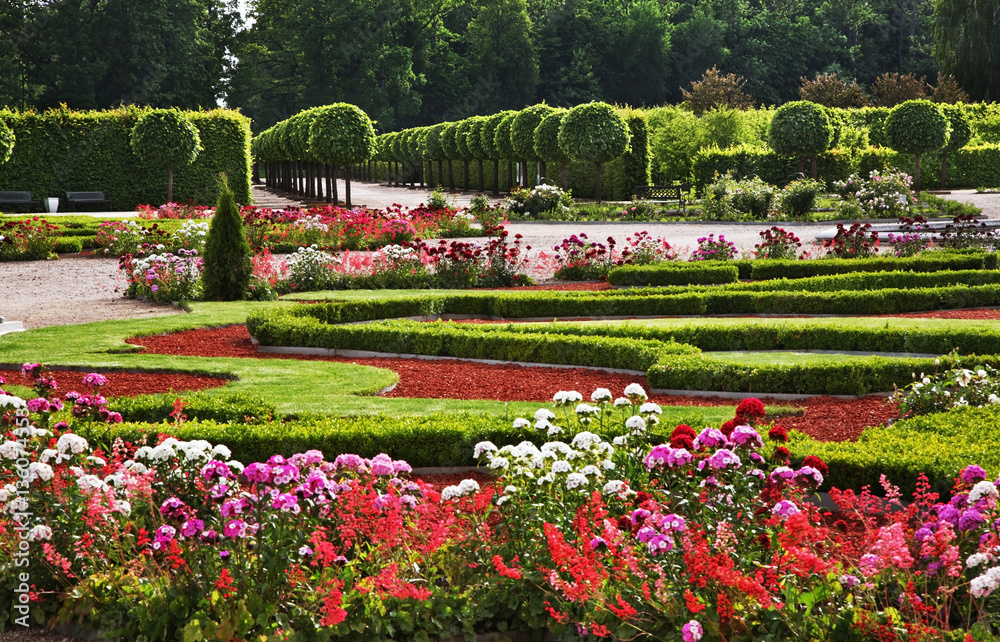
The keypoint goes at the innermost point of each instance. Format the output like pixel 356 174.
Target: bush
pixel 661 274
pixel 546 137
pixel 227 252
pixel 522 131
pixel 928 262
pixel 746 160
pixel 540 202
pixel 777 243
pixel 728 199
pixel 798 197
pixel 224 408
pixel 801 129
pixel 7 139
pixel 594 132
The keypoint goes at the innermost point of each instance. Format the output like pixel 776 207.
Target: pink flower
pixel 692 631
pixel 235 528
pixel 785 509
pixel 95 380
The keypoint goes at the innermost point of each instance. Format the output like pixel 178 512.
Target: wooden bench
pixel 18 198
pixel 664 193
pixel 86 198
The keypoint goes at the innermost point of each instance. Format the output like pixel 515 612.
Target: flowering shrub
pixel 580 259
pixel 966 231
pixel 541 201
pixel 27 240
pixel 710 249
pixel 644 249
pixel 852 243
pixel 191 236
pixel 953 388
pixel 175 210
pixel 488 216
pixel 798 197
pixel 164 277
pixel 708 537
pixel 777 243
pixel 119 238
pixel 309 269
pixel 880 196
pixel 729 199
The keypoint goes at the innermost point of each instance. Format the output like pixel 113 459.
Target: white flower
pixel 91 482
pixel 650 408
pixel 163 452
pixel 17 505
pixel 547 479
pixel 634 390
pixel 12 402
pixel 136 467
pixel 96 461
pixel 574 480
pixel 993 399
pixel 469 486
pixel 976 559
pixel 553 430
pixel 590 469
pixel 567 397
pixel 70 443
pixel 520 423
pixel 635 424
pixel 38 470
pixel 483 447
pixel 222 452
pixel 123 507
pixel 544 414
pixel 986 583
pixel 510 490
pixel 981 490
pixel 464 487
pixel 607 464
pixel 12 450
pixel 499 462
pixel 614 486
pixel 621 401
pixel 601 394
pixel 585 440
pixel 40 532
pixel 587 410
pixel 143 453
pixel 621 440
pixel 561 466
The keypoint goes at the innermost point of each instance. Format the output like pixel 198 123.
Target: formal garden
pixel 408 424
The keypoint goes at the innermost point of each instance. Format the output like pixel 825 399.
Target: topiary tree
pixel 474 143
pixel 165 138
pixel 547 141
pixel 961 132
pixel 7 140
pixel 487 139
pixel 800 128
pixel 342 134
pixel 414 155
pixel 522 133
pixel 228 265
pixel 504 147
pixel 449 145
pixel 596 133
pixel 917 127
pixel 432 147
pixel 462 146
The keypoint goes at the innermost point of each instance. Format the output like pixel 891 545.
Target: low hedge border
pixel 154 408
pixel 673 274
pixel 938 445
pixel 451 340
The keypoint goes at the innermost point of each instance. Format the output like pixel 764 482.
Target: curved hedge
pixel 672 274
pixel 62 150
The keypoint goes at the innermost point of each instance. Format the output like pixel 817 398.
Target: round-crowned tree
pixel 165 138
pixel 596 133
pixel 522 132
pixel 505 148
pixel 801 129
pixel 917 127
pixel 342 134
pixel 462 146
pixel 414 155
pixel 7 140
pixel 433 149
pixel 487 139
pixel 547 141
pixel 228 265
pixel 474 142
pixel 449 145
pixel 961 132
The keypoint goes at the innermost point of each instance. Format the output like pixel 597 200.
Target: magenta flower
pixel 785 509
pixel 692 631
pixel 192 527
pixel 724 458
pixel 235 529
pixel 710 438
pixel 95 380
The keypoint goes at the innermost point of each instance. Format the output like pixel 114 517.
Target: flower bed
pixel 709 536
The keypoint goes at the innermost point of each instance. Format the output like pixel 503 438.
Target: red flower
pixel 750 410
pixel 817 463
pixel 777 433
pixel 692 602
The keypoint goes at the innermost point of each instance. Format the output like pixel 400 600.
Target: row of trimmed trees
pixel 305 153
pixel 805 129
pixel 538 135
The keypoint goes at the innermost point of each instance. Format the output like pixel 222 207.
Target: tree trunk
pixel 565 175
pixel 544 170
pixel 336 198
pixel 597 183
pixel 329 188
pixel 800 165
pixel 466 176
pixel 510 176
pixel 496 176
pixel 347 187
pixel 451 176
pixel 170 184
pixel 944 169
pixel 814 167
pixel 482 179
pixel 318 177
pixel 916 175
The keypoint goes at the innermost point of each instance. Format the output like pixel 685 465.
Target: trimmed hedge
pixel 673 274
pixel 939 445
pixel 451 340
pixel 746 160
pixel 62 150
pixel 927 262
pixel 197 405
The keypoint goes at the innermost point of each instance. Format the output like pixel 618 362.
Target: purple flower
pixel 782 474
pixel 235 528
pixel 785 509
pixel 673 522
pixel 192 527
pixel 639 515
pixel 973 474
pixel 849 581
pixel 209 536
pixel 947 513
pixel 660 544
pixel 710 438
pixel 691 632
pixel 173 507
pixel 724 458
pixel 746 437
pixel 286 503
pixel 970 520
pixel 809 477
pixel 382 465
pixel 349 461
pixel 598 542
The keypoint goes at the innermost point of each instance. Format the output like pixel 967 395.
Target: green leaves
pixel 917 127
pixel 546 137
pixel 961 131
pixel 522 130
pixel 165 138
pixel 341 134
pixel 594 132
pixel 800 128
pixel 6 142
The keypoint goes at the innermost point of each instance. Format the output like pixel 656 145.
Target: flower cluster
pixel 777 243
pixel 165 277
pixel 540 202
pixel 881 195
pixel 953 388
pixel 712 249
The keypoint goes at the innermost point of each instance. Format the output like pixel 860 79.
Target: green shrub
pixel 594 132
pixel 939 445
pixel 730 199
pixel 224 408
pixel 743 161
pixel 546 138
pixel 227 268
pixel 801 129
pixel 7 140
pixel 917 127
pixel 68 245
pixel 165 138
pixel 798 197
pixel 522 131
pixel 926 262
pixel 672 274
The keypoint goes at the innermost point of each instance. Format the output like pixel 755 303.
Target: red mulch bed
pixel 123 384
pixel 824 418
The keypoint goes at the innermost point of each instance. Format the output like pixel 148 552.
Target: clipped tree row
pixel 536 140
pixel 307 152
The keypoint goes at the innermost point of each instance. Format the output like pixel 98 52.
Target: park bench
pixel 664 193
pixel 17 198
pixel 86 198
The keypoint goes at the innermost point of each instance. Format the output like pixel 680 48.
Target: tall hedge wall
pixel 63 150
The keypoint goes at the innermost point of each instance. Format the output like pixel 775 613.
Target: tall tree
pixel 968 44
pixel 502 50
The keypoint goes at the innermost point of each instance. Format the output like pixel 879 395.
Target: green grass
pixel 863 322
pixel 777 357
pixel 296 387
